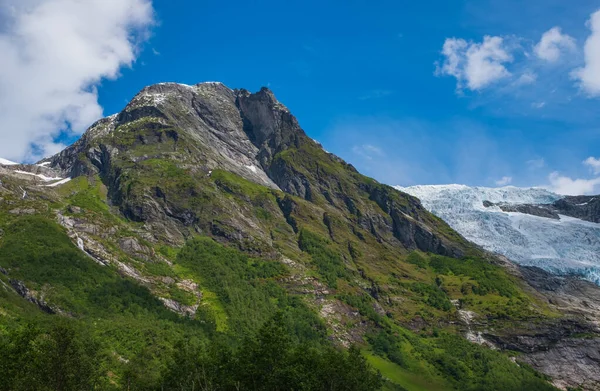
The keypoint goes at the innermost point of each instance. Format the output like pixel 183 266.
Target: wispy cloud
pixel 368 151
pixel 538 105
pixel 504 181
pixel 593 164
pixel 411 151
pixel 536 164
pixel 526 78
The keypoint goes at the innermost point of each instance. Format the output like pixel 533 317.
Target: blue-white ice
pixel 565 246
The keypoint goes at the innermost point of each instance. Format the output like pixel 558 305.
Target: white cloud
pixel 593 163
pixel 526 78
pixel 475 65
pixel 368 151
pixel 538 105
pixel 568 186
pixel 536 164
pixel 551 45
pixel 54 54
pixel 505 180
pixel 589 75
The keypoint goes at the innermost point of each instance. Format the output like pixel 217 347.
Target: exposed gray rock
pixel 572 363
pixel 534 210
pixel 184 310
pixel 568 349
pixel 22 290
pixel 206 112
pixel 132 247
pixel 74 209
pixel 21 212
pixel 582 207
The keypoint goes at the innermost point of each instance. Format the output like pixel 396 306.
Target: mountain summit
pixel 176 132
pixel 201 236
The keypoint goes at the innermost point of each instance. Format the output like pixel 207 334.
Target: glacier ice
pixel 565 246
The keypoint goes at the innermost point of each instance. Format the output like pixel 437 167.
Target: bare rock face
pixel 22 290
pixel 567 350
pixel 582 207
pixel 132 247
pixel 572 363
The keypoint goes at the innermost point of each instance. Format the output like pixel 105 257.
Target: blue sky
pixel 370 82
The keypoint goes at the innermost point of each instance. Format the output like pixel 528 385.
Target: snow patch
pixel 175 84
pixel 80 244
pixel 252 168
pixel 5 162
pixel 41 176
pixel 61 182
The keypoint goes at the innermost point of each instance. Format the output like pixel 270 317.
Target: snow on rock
pixel 252 168
pixel 41 176
pixel 5 162
pixel 80 244
pixel 565 246
pixel 61 182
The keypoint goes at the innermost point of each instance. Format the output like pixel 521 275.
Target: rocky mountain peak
pixel 206 127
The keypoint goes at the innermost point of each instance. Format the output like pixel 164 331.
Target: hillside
pixel 202 231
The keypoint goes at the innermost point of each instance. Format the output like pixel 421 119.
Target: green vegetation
pixel 137 343
pixel 364 304
pixel 488 278
pixel 122 337
pixel 271 361
pixel 447 362
pixel 328 262
pixel 433 295
pixel 472 367
pixel 88 194
pixel 64 356
pixel 246 289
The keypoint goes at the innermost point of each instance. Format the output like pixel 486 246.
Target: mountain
pixel 200 237
pixel 533 227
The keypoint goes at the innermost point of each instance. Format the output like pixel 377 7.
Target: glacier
pixel 568 246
